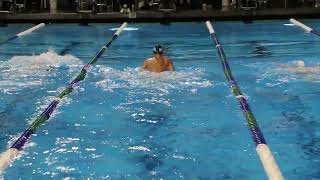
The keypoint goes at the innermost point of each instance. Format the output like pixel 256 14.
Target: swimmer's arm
pixel 144 66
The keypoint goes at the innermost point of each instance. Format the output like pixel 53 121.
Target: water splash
pixel 152 83
pixel 27 71
pixel 139 148
pixel 280 75
pixel 147 89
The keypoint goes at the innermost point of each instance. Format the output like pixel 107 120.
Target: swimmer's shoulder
pixel 149 59
pixel 167 60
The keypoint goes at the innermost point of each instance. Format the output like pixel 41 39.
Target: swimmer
pixel 158 63
pixel 299 67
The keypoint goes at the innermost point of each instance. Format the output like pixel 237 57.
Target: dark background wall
pixel 281 3
pixel 67 5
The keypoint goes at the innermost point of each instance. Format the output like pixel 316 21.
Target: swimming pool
pixel 125 124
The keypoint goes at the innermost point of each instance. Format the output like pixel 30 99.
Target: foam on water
pixel 139 148
pixel 280 75
pixel 143 87
pixel 132 78
pixel 27 71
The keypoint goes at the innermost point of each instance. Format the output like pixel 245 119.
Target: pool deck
pixel 159 16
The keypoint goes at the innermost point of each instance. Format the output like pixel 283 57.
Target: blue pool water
pixel 125 124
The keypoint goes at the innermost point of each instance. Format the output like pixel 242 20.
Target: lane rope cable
pixel 8 156
pixel 28 31
pixel 270 166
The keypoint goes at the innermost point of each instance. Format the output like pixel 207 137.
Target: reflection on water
pixel 260 51
pixel 68 48
pixel 150 161
pixel 312 147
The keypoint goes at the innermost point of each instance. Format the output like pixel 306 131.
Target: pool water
pixel 121 123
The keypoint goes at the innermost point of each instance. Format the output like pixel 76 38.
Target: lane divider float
pixel 304 27
pixel 270 166
pixel 28 31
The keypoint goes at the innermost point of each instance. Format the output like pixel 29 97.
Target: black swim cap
pixel 157 49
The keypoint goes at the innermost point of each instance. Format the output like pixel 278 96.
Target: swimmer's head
pixel 299 63
pixel 157 49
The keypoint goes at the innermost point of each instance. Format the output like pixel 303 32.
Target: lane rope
pixel 270 166
pixel 304 27
pixel 28 31
pixel 8 156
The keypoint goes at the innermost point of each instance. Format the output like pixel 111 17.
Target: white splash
pixel 65 169
pixel 150 88
pixel 280 74
pixel 90 149
pixel 179 157
pixel 161 84
pixel 64 140
pixel 26 71
pixel 139 148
